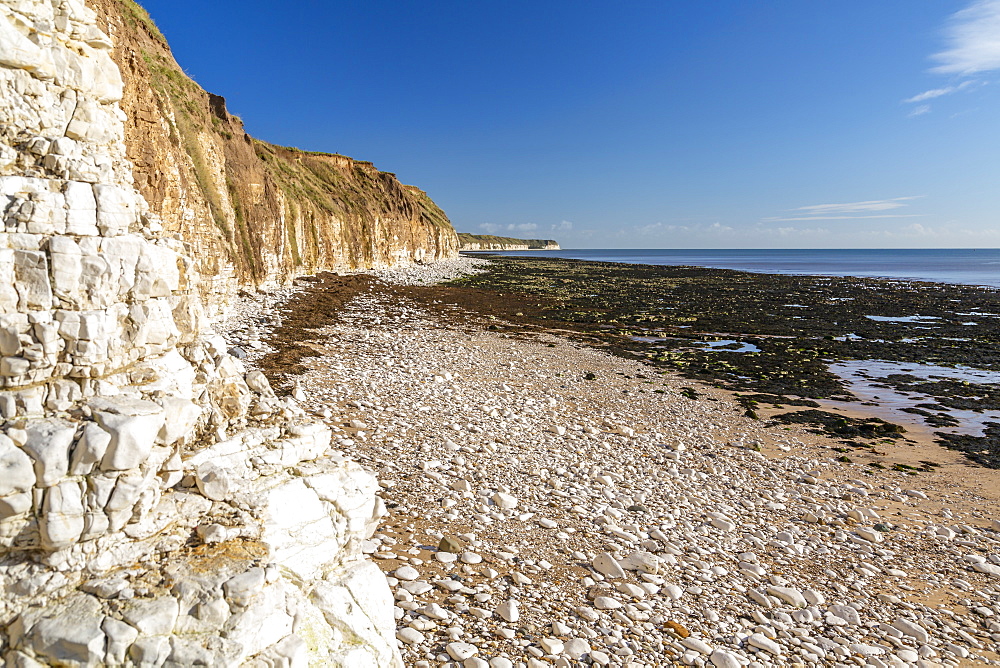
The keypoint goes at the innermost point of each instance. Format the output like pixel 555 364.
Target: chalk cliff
pixel 249 210
pixel 489 242
pixel 159 504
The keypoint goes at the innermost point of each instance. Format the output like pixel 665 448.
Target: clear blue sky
pixel 695 124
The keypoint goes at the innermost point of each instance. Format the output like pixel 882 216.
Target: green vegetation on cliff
pixel 483 240
pixel 252 210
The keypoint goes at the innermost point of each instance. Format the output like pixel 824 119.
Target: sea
pixel 967 266
pixel 865 378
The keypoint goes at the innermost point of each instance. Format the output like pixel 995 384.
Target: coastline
pixel 961 266
pixel 543 459
pixel 774 338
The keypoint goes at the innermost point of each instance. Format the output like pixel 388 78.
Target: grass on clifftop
pixel 135 15
pixel 467 238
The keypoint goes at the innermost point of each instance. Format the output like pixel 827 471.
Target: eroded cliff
pixel 252 211
pixel 490 242
pixel 159 504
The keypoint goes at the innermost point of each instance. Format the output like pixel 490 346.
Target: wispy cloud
pixel 660 228
pixel 564 226
pixel 973 40
pixel 869 209
pixel 790 219
pixel 858 207
pixel 492 228
pixel 972 46
pixel 938 92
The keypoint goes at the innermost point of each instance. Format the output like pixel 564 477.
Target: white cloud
pixel 939 92
pixel 887 215
pixel 653 229
pixel 920 111
pixel 856 207
pixel 564 226
pixel 867 210
pixel 492 228
pixel 973 40
pixel 946 233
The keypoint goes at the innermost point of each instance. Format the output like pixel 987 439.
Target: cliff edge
pixel 252 211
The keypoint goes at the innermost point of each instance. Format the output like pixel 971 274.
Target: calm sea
pixel 966 266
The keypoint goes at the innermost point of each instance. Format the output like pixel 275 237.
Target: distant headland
pixel 482 242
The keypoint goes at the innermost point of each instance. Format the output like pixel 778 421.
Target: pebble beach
pixel 552 504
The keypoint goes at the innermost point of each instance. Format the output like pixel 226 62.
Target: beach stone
pixel 674 592
pixel 697 645
pixel 410 636
pixel 460 651
pixel 765 643
pixel 607 566
pixel 607 603
pixel 600 658
pixel 643 562
pixel 434 611
pixel 988 569
pixel 576 648
pixel 450 544
pixel 552 645
pixel 789 595
pixel 720 658
pixel 560 629
pixel 912 629
pixel 871 535
pixel 504 501
pixel 846 612
pixel 508 610
pixel 406 573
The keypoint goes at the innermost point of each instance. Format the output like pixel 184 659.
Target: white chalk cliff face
pixel 158 504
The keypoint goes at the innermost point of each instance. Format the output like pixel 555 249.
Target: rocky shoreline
pixel 552 504
pixel 778 340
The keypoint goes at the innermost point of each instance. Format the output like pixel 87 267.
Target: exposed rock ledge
pixel 159 505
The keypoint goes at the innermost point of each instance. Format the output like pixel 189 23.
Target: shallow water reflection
pixel 865 379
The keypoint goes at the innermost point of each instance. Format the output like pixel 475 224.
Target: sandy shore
pixel 551 504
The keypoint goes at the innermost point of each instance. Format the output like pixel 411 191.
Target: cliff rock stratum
pixel 159 504
pixel 250 210
pixel 490 242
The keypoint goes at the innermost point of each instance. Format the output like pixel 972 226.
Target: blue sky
pixel 714 124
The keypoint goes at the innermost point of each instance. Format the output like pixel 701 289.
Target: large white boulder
pixel 48 444
pixel 133 424
pixel 17 471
